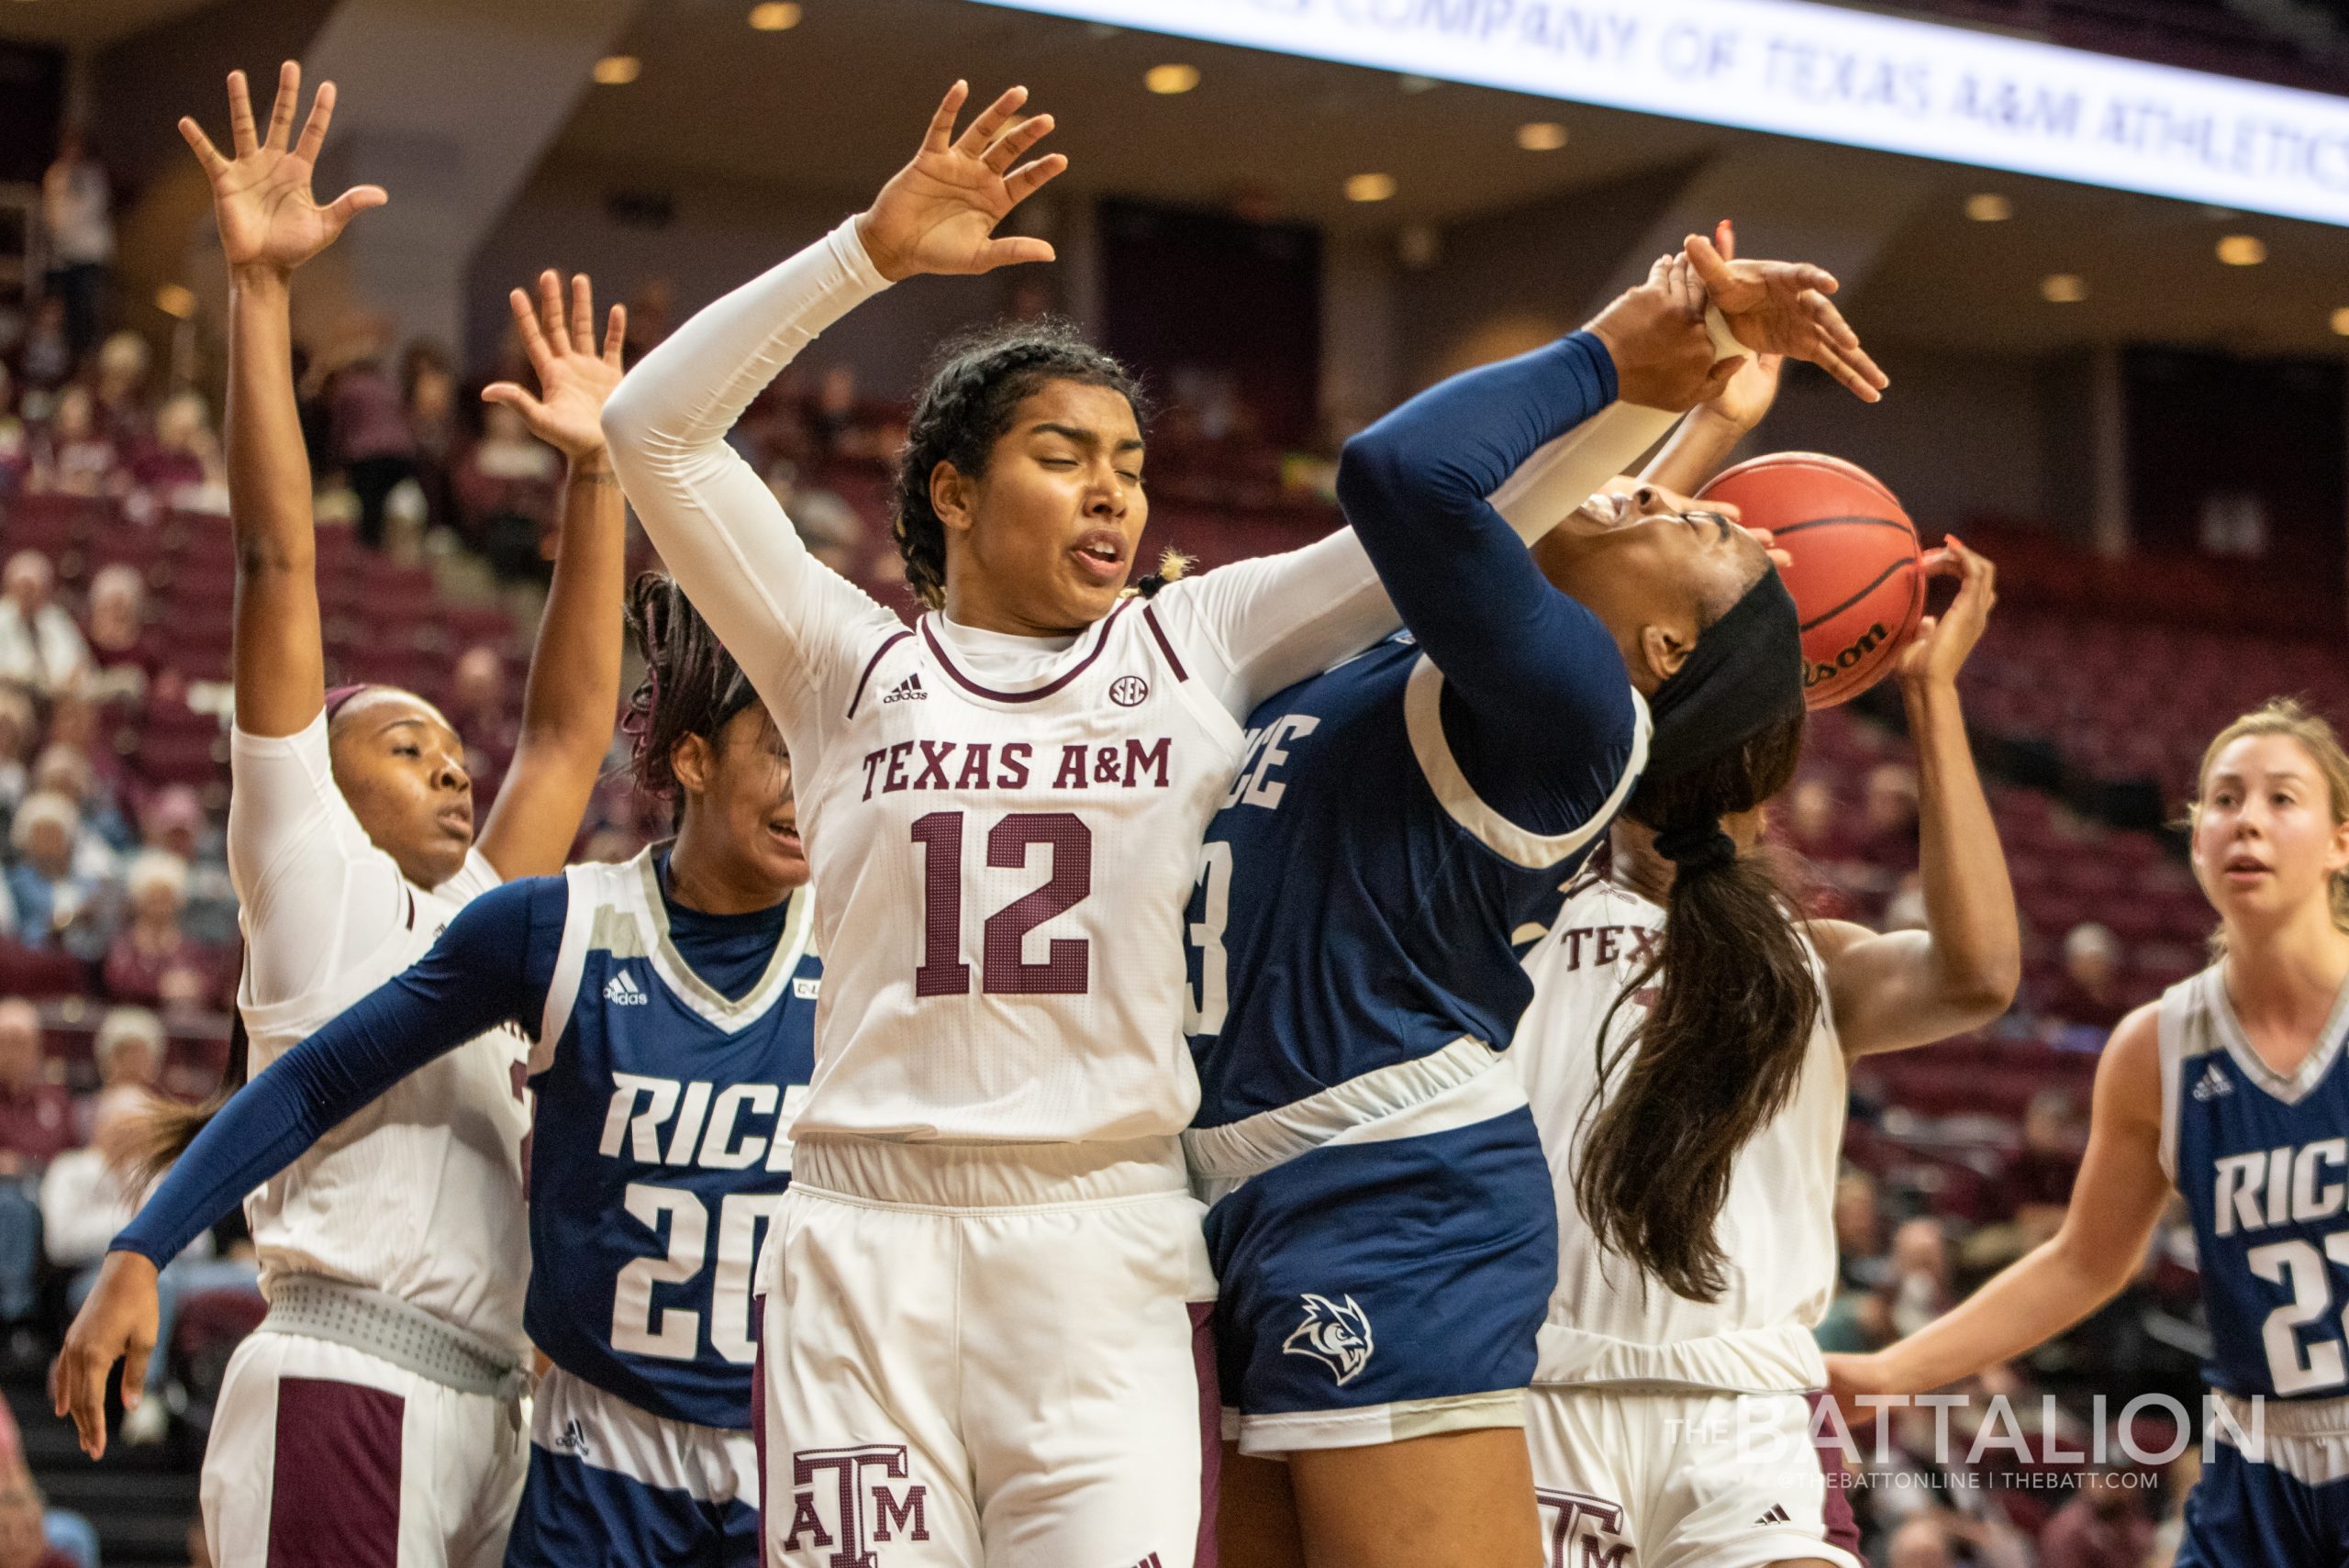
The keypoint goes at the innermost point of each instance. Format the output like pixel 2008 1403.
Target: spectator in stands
pixel 182 464
pixel 505 495
pixel 173 822
pixel 83 1201
pixel 122 652
pixel 19 728
pixel 1933 1539
pixel 40 645
pixel 151 944
pixel 16 445
pixel 1916 1288
pixel 831 413
pixel 78 725
pixel 428 397
pixel 481 709
pixel 129 1049
pixel 2027 1195
pixel 120 407
pixel 64 768
pixel 1889 817
pixel 58 903
pixel 24 1535
pixel 2089 995
pixel 46 360
pixel 2104 1526
pixel 36 1116
pixel 70 455
pixel 829 526
pixel 77 210
pixel 368 432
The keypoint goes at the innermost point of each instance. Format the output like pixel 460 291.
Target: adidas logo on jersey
pixel 574 1438
pixel 622 991
pixel 907 690
pixel 1776 1515
pixel 2212 1083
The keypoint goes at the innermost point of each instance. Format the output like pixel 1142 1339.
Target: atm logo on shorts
pixel 1338 1337
pixel 1584 1532
pixel 844 1499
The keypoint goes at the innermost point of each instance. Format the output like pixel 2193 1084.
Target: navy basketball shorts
pixel 613 1483
pixel 1374 1291
pixel 2284 1504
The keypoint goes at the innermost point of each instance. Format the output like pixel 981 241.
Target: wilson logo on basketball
pixel 1814 673
pixel 1128 691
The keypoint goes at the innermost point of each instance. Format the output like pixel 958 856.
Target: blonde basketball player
pixel 1670 1410
pixel 2230 1092
pixel 384 1386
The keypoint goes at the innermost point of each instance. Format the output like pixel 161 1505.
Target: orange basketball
pixel 1857 578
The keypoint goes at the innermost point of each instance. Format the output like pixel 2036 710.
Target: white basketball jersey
pixel 1004 875
pixel 420 1195
pixel 1606 1322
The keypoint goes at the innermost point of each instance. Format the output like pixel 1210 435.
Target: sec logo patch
pixel 1128 691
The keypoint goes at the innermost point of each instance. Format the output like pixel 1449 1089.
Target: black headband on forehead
pixel 1744 675
pixel 739 692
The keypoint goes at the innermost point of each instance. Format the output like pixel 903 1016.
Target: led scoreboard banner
pixel 1828 74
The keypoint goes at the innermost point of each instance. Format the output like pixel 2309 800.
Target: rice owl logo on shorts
pixel 845 1498
pixel 1338 1337
pixel 1128 691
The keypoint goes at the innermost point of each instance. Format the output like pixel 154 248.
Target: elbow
pixel 627 424
pixel 1377 473
pixel 1984 990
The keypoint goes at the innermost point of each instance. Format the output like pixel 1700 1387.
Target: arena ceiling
pixel 834 100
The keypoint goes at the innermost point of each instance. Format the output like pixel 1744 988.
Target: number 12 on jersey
pixel 1005 971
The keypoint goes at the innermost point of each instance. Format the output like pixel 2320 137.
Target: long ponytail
pixel 1721 1048
pixel 162 1132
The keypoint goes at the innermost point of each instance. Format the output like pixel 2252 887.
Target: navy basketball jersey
pixel 1359 905
pixel 2262 1160
pixel 662 1149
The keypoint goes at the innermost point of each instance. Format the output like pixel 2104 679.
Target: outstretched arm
pixel 574 691
pixel 269 225
pixel 1905 988
pixel 799 630
pixel 485 970
pixel 2120 1193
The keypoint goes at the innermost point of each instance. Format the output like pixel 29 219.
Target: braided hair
pixel 691 686
pixel 976 383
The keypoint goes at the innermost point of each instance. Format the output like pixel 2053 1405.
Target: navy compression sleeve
pixel 1537 703
pixel 476 977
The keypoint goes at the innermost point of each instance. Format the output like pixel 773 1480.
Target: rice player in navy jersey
pixel 672 999
pixel 2228 1090
pixel 1382 1223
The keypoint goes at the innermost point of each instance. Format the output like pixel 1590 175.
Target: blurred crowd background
pixel 2171 536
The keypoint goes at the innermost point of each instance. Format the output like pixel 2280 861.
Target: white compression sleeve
pixel 792 622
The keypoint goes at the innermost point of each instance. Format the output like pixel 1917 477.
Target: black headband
pixel 1744 675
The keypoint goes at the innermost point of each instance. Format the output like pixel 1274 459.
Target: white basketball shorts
pixel 1682 1478
pixel 324 1456
pixel 979 1356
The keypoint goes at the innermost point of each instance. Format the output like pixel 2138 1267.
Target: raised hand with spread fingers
pixel 575 375
pixel 262 196
pixel 939 213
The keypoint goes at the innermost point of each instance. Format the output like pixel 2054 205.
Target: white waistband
pixel 959 1176
pixel 400 1332
pixel 599 1428
pixel 1458 1086
pixel 1782 1360
pixel 2306 1438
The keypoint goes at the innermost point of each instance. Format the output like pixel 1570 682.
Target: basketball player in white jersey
pixel 385 1384
pixel 1670 1411
pixel 987 1276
